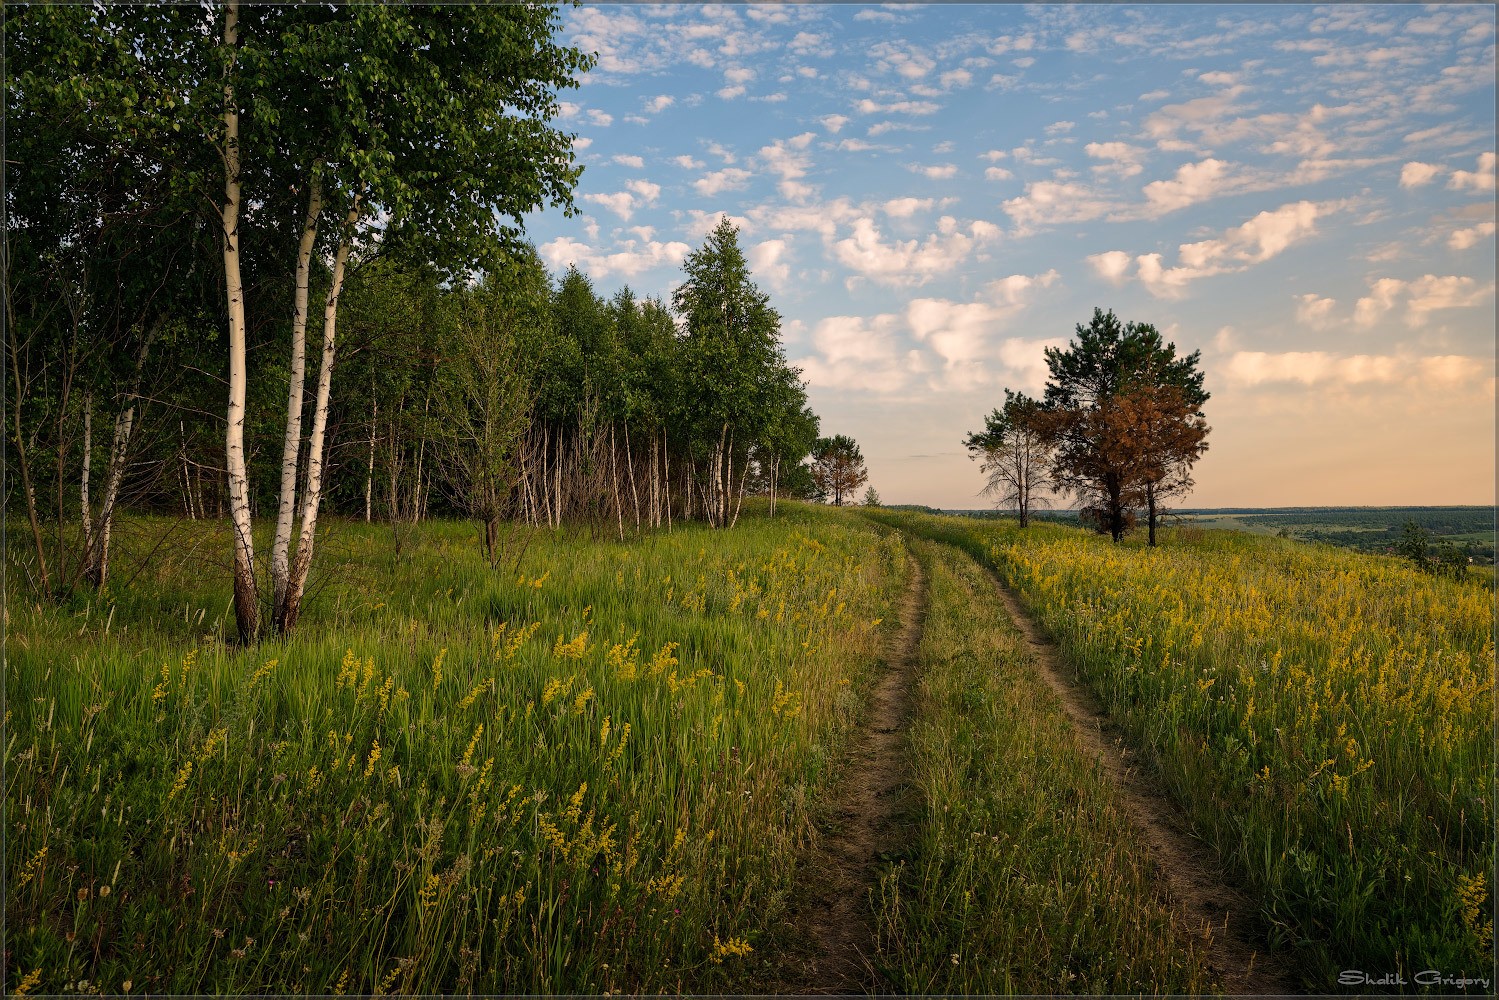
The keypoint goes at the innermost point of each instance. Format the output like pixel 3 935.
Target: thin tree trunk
pixel 775 482
pixel 619 514
pixel 246 597
pixel 291 444
pixel 666 473
pixel 1150 507
pixel 739 503
pixel 187 472
pixel 369 476
pixel 96 568
pixel 88 460
pixel 630 464
pixel 312 496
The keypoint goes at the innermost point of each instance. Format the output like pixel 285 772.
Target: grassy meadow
pixel 600 768
pixel 591 773
pixel 1324 717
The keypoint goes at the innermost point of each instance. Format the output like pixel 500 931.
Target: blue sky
pixel 932 194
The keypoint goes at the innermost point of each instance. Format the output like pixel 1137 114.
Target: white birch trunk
pixel 292 444
pixel 312 495
pixel 246 598
pixel 97 568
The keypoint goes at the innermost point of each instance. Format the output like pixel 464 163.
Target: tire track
pixel 870 817
pixel 1211 907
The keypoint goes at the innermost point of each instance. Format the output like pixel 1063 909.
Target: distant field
pixel 1368 529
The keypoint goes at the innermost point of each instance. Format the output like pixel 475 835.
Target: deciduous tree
pixel 1013 450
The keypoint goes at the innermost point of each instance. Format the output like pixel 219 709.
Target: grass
pixel 1025 877
pixel 1325 718
pixel 590 774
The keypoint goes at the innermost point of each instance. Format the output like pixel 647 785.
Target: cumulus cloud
pixel 1415 174
pixel 1481 179
pixel 1053 202
pixel 1421 297
pixel 635 258
pixel 645 190
pixel 727 179
pixel 939 172
pixel 1120 158
pixel 621 203
pixel 997 174
pixel 1315 311
pixel 833 123
pixel 687 162
pixel 867 107
pixel 966 336
pixel 1471 236
pixel 1267 234
pixel 1193 183
pixel 910 262
pixel 1111 265
pixel 904 208
pixel 767 261
pixel 626 160
pixel 861 354
pixel 659 103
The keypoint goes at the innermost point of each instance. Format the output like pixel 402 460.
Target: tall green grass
pixel 1025 876
pixel 1325 718
pixel 590 773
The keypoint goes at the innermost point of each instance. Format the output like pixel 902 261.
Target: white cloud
pixel 904 208
pixel 1053 202
pixel 647 191
pixel 1415 174
pixel 860 354
pixel 581 142
pixel 1421 297
pixel 955 78
pixel 833 123
pixel 767 262
pixel 1111 265
pixel 621 203
pixel 687 162
pixel 1193 183
pixel 1060 128
pixel 1239 248
pixel 625 160
pixel 964 334
pixel 867 107
pixel 1315 311
pixel 729 93
pixel 997 174
pixel 659 103
pixel 1120 158
pixel 909 262
pixel 633 260
pixel 728 179
pixel 1480 180
pixel 599 118
pixel 939 172
pixel 1463 239
pixel 738 74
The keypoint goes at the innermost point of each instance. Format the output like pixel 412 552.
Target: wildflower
pixel 181 782
pixel 437 667
pixel 572 650
pixel 29 983
pixel 29 872
pixel 737 947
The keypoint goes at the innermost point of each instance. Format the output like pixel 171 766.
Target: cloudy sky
pixel 933 194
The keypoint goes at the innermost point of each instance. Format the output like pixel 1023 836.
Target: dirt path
pixel 871 814
pixel 1210 905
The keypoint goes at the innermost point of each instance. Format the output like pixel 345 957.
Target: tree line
pixel 188 186
pixel 1118 428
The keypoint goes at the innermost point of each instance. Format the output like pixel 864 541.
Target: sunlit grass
pixel 590 772
pixel 1025 876
pixel 1325 717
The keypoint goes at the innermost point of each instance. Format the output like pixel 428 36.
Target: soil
pixel 1209 905
pixel 870 821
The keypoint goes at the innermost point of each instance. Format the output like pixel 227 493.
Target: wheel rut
pixel 871 817
pixel 1211 906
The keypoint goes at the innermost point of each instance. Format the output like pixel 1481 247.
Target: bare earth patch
pixel 870 818
pixel 1210 906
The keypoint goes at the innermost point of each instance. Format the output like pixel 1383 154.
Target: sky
pixel 933 194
